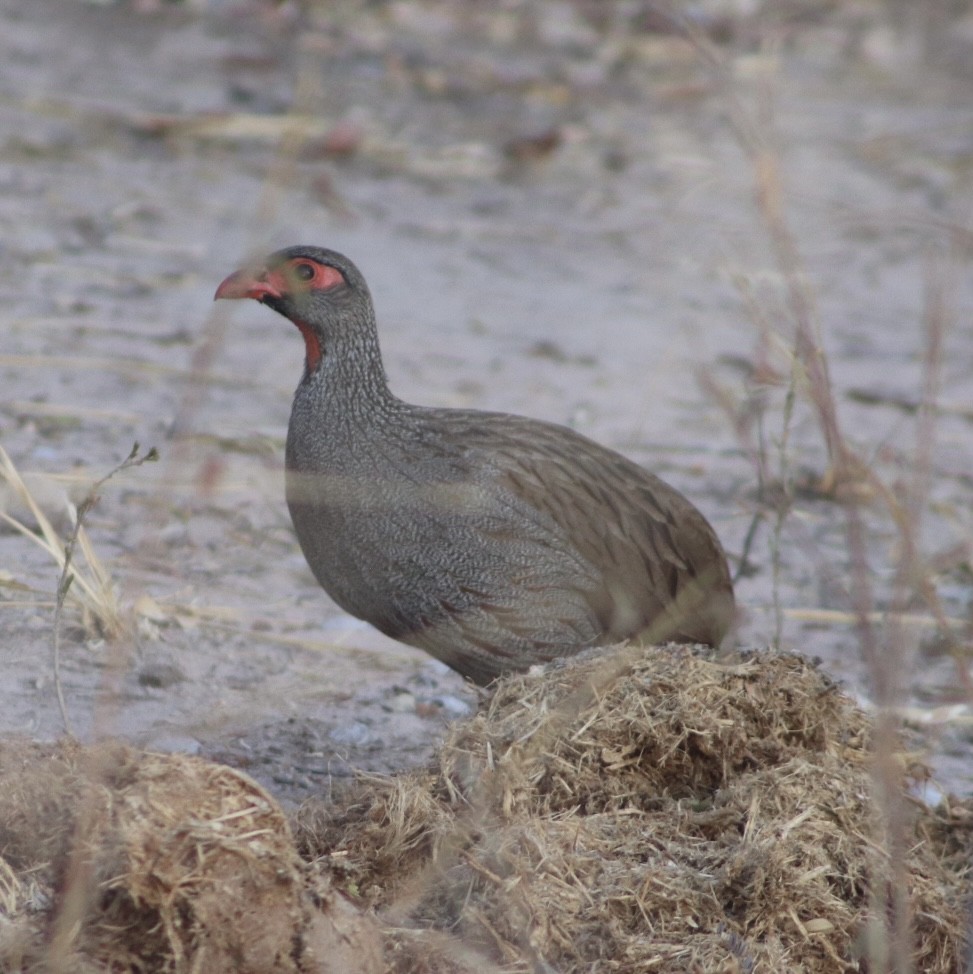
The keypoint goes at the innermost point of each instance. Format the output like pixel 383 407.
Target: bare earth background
pixel 555 213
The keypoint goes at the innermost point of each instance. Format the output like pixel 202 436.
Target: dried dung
pixel 635 811
pixel 655 811
pixel 117 860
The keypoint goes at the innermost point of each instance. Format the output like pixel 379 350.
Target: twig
pixel 744 566
pixel 67 572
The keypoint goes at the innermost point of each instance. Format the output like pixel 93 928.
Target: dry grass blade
pixel 91 587
pixel 839 617
pixel 64 582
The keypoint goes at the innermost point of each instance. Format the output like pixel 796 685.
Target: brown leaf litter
pixel 635 811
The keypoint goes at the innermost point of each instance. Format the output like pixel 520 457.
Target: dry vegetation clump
pixel 114 860
pixel 649 811
pixel 637 810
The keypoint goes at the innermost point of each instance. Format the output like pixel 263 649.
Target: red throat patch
pixel 312 344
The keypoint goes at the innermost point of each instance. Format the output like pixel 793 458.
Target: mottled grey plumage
pixel 492 541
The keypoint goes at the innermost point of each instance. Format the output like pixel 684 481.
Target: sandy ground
pixel 557 217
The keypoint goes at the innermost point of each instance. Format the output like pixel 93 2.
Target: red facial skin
pixel 279 282
pixel 300 274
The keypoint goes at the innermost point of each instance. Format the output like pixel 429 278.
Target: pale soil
pixel 600 284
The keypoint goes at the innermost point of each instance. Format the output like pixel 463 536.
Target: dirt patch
pixel 634 811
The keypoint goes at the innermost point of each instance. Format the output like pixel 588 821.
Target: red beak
pixel 247 284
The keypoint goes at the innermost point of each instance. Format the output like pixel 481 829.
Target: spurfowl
pixel 489 540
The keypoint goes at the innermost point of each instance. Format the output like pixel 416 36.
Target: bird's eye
pixel 304 271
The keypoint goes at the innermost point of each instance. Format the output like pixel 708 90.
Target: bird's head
pixel 318 289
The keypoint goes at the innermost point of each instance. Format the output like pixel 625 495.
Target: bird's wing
pixel 653 546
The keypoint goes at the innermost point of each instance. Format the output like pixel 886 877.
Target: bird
pixel 492 541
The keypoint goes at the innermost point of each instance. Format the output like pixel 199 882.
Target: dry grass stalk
pixel 887 651
pixel 90 587
pixel 848 478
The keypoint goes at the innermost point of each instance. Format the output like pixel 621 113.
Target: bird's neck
pixel 346 388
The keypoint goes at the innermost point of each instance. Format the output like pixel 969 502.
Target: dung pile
pixel 653 811
pixel 633 812
pixel 114 860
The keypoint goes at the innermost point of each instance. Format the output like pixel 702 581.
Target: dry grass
pixel 86 584
pixel 894 930
pixel 90 587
